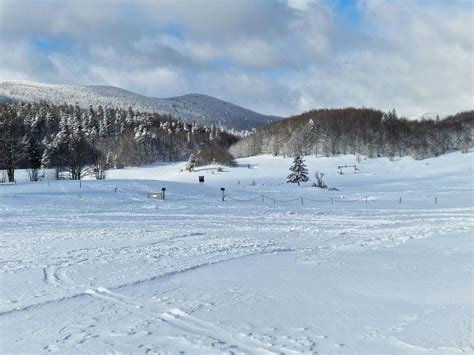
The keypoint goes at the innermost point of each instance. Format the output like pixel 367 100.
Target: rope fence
pixel 240 200
pixel 161 193
pixel 302 199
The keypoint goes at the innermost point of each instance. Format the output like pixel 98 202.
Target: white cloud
pixel 301 5
pixel 161 82
pixel 254 91
pixel 417 60
pixel 256 53
pixel 277 57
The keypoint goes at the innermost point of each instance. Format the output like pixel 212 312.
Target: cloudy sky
pixel 275 57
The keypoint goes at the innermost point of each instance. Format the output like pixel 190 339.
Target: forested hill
pixel 203 109
pixel 359 131
pixel 78 141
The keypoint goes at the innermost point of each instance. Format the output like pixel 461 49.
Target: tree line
pixel 91 141
pixel 363 131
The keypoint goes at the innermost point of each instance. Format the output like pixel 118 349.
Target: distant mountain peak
pixel 204 109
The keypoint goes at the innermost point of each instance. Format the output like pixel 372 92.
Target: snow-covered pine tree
pixel 51 123
pixel 191 164
pixel 390 115
pixel 90 124
pixel 11 148
pixel 309 145
pixel 299 173
pixel 32 150
pixel 46 158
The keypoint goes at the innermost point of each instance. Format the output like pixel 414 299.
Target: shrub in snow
pixel 319 181
pixel 212 155
pixel 191 164
pixel 102 164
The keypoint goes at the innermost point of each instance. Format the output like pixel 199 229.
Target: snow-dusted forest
pixel 81 142
pixel 203 109
pixel 360 131
pixel 84 142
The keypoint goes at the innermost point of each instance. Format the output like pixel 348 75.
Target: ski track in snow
pixel 180 319
pixel 122 264
pixel 349 234
pixel 174 316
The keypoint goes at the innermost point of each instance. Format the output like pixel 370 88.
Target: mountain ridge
pixel 204 109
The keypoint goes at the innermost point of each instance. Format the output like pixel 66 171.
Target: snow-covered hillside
pixel 99 268
pixel 203 109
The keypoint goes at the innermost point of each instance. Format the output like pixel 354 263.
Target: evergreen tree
pixel 299 173
pixel 11 147
pixel 71 149
pixel 46 158
pixel 32 152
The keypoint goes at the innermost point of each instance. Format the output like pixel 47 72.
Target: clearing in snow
pixel 383 265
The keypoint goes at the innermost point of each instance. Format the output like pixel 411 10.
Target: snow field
pixel 90 270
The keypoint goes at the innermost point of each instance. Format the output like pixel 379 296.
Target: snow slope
pixel 90 270
pixel 203 109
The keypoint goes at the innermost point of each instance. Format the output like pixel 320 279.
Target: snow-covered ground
pixel 102 269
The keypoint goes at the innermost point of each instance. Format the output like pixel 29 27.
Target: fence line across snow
pixel 181 197
pixel 332 200
pixel 302 198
